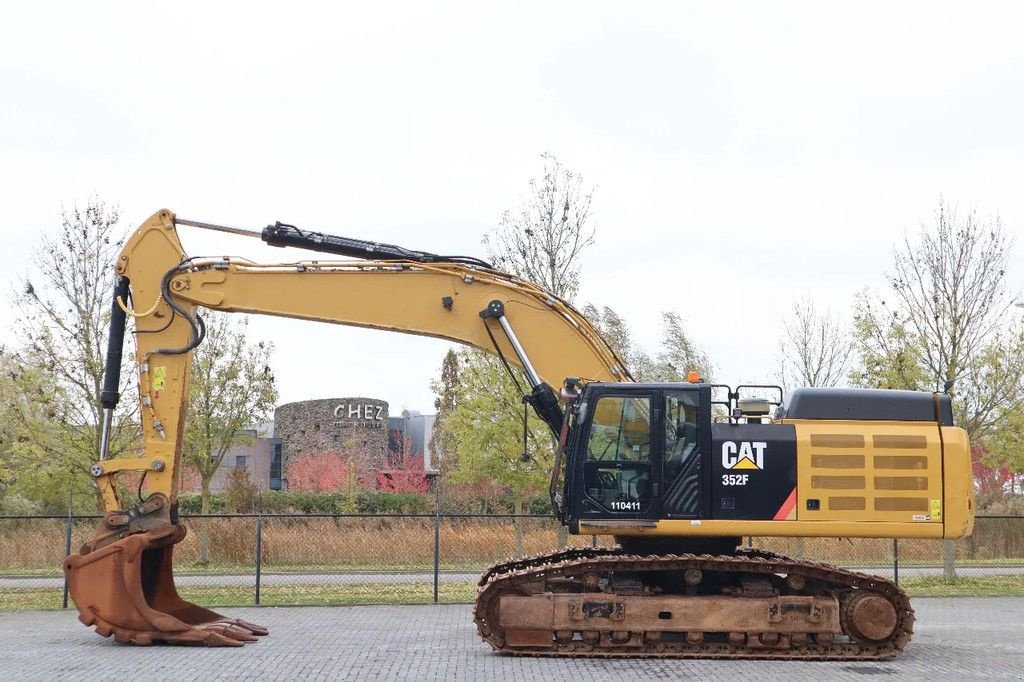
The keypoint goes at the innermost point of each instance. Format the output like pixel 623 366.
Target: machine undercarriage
pixel 748 604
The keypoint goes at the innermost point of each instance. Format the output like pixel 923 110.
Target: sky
pixel 744 155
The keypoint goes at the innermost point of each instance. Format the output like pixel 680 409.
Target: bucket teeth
pixel 126 589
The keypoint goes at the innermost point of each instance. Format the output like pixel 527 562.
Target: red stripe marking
pixel 786 507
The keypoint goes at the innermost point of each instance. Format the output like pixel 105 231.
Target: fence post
pixel 259 552
pixel 949 559
pixel 437 544
pixel 896 561
pixel 67 544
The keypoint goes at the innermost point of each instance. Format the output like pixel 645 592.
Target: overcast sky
pixel 744 154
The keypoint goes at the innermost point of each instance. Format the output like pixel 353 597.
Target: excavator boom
pixel 121 580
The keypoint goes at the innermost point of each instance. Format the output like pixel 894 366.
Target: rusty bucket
pixel 126 589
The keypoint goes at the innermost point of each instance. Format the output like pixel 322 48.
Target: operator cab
pixel 674 450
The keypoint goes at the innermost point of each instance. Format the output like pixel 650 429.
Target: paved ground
pixel 416 577
pixel 956 638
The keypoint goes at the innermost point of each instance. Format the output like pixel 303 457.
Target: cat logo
pixel 743 455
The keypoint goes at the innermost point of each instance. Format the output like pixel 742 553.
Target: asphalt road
pixel 417 577
pixel 955 638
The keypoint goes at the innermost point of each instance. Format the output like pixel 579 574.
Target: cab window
pixel 680 431
pixel 620 430
pixel 618 472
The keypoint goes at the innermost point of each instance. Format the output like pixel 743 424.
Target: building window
pixel 275 468
pixel 239 461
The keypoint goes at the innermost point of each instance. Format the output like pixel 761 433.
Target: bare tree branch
pixel 815 348
pixel 950 324
pixel 542 240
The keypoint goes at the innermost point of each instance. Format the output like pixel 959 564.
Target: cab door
pixel 686 416
pixel 621 471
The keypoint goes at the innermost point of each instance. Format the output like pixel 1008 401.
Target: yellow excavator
pixel 677 473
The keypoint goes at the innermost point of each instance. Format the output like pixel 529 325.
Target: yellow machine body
pixel 853 478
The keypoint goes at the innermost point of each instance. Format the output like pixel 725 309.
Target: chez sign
pixel 359 414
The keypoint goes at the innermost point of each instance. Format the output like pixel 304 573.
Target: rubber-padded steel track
pixel 524 576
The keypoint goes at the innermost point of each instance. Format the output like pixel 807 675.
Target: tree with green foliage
pixel 486 433
pixel 232 389
pixel 887 351
pixel 678 354
pixel 445 388
pixel 1005 447
pixel 540 241
pixel 614 330
pixel 11 408
pixel 26 423
pixel 63 314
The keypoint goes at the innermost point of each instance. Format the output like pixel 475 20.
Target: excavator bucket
pixel 126 589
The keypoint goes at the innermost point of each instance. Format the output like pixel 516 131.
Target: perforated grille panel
pixel 868 471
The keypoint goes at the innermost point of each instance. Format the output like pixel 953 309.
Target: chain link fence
pixel 291 559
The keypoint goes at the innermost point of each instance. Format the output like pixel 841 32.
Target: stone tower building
pixel 334 425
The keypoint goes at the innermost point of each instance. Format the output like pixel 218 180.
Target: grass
pixel 30 599
pixel 467 566
pixel 276 595
pixel 314 594
pixel 212 569
pixel 979 586
pixel 334 595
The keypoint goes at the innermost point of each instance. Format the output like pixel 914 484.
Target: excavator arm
pixel 454 298
pixel 467 303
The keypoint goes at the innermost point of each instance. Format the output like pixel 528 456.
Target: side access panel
pixel 869 471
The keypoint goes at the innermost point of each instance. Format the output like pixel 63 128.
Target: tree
pixel 232 388
pixel 815 348
pixel 240 494
pixel 446 388
pixel 990 393
pixel 542 240
pixel 951 282
pixel 995 483
pixel 1004 449
pixel 11 407
pixel 26 396
pixel 409 478
pixel 947 326
pixel 343 472
pixel 678 355
pixel 614 330
pixel 886 349
pixel 486 430
pixel 63 314
pixel 324 472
